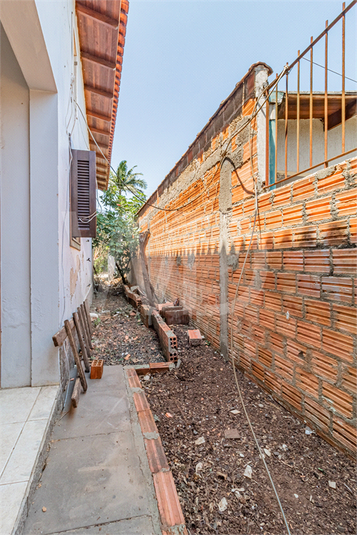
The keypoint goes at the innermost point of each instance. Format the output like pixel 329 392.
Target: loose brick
pixel 324 366
pixel 317 414
pixel 345 318
pixel 286 282
pixel 318 312
pixel 309 334
pixel 307 382
pixel 333 233
pixel 338 344
pixel 345 433
pixel 194 337
pixel 337 288
pixel 337 400
pixel 344 261
pixel 308 285
pixel 318 209
pixel 317 261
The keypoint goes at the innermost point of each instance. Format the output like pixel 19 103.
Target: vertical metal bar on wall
pixel 286 124
pixel 343 100
pixel 298 117
pixel 325 100
pixel 311 102
pixel 276 131
pixel 267 148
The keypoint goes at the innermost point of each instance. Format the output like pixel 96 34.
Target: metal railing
pixel 331 108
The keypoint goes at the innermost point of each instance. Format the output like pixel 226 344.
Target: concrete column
pixel 44 236
pixel 225 206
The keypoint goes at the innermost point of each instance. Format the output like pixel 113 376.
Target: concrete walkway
pixel 97 479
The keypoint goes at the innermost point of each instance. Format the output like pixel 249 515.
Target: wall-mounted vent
pixel 83 194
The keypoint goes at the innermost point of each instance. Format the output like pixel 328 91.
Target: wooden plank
pixel 86 327
pixel 97 115
pixel 99 60
pixel 76 391
pixel 81 341
pixel 97 15
pixel 76 356
pixel 85 331
pixel 61 335
pixel 98 91
pixel 86 306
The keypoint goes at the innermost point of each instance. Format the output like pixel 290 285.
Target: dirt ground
pixel 197 409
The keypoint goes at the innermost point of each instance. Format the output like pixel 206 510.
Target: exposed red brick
pixel 273 301
pixel 305 236
pixel 309 334
pixel 333 233
pixel 258 260
pixel 337 344
pixel 156 455
pixel 276 342
pixel 272 382
pixel 293 215
pixel 349 379
pixel 324 366
pixel 317 261
pixel 133 381
pixel 140 401
pixel 282 196
pixel 256 297
pixel 268 280
pixel 304 188
pixel 283 239
pixel 337 288
pixel 293 305
pixel 346 203
pixel 296 352
pixel 344 261
pixel 267 240
pixel 167 499
pixel 273 220
pixel 345 433
pixel 284 326
pixel 318 209
pixel 317 414
pixel 337 400
pixel 293 260
pixel 330 183
pixel 291 395
pixel 265 356
pixel 307 382
pixel 345 318
pixel 267 319
pixel 353 230
pixel 146 421
pixel 286 282
pixel 274 259
pixel 258 371
pixel 318 312
pixel 308 285
pixel 284 367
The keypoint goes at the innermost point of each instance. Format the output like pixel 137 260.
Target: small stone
pixel 248 472
pixel 146 378
pixel 94 316
pixel 332 484
pixel 308 431
pixel 200 441
pixel 235 411
pixel 231 433
pixel 296 495
pixel 267 452
pixel 44 509
pixel 260 405
pixel 223 504
pixel 199 467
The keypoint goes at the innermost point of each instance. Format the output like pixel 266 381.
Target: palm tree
pixel 126 179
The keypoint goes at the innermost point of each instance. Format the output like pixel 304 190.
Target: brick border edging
pixel 171 516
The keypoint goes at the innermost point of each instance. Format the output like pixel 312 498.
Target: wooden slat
pixel 84 330
pixel 97 15
pixel 99 131
pixel 86 306
pixel 76 391
pixel 98 91
pixel 81 341
pixel 97 115
pixel 61 335
pixel 99 60
pixel 86 326
pixel 76 356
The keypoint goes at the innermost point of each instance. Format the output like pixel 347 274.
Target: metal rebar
pixel 343 99
pixel 286 124
pixel 311 102
pixel 267 148
pixel 276 130
pixel 298 117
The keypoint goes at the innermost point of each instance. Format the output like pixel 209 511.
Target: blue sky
pixel 182 58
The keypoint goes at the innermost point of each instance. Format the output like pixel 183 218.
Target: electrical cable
pixel 334 72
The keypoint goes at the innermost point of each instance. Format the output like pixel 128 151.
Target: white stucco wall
pixel 54 277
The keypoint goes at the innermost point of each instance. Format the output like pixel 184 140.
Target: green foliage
pixel 117 231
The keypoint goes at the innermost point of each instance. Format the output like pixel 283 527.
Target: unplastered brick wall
pixel 293 328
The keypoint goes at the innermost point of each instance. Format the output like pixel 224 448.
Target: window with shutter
pixel 83 194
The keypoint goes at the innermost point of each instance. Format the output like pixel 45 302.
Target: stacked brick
pixel 133 298
pixel 294 323
pixel 167 338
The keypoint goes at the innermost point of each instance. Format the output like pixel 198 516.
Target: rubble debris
pixel 194 337
pixel 175 315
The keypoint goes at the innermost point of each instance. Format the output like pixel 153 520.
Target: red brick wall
pixel 294 323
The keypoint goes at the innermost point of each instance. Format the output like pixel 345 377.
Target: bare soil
pixel 195 402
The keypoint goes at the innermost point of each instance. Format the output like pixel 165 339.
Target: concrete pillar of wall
pixel 225 207
pixel 261 79
pixel 44 236
pixel 15 221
